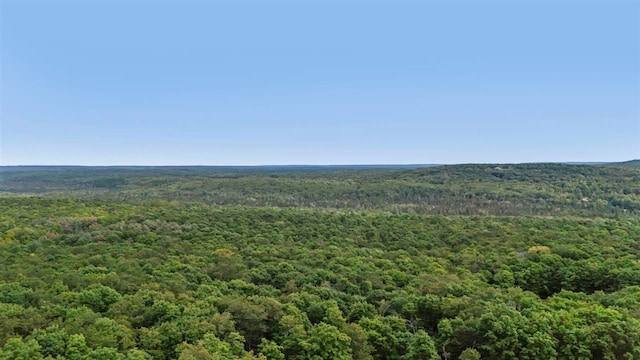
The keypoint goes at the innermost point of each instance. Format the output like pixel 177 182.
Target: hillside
pixel 631 163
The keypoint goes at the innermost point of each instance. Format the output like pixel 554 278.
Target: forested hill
pixel 631 163
pixel 321 263
pixel 474 189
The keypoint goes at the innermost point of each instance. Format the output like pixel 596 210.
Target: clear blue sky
pixel 319 82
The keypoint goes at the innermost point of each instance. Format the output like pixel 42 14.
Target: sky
pixel 244 82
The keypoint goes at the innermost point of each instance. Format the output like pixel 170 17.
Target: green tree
pixel 52 340
pixel 135 354
pixel 77 348
pixel 17 349
pixel 469 354
pixel 98 297
pixel 327 342
pixel 422 347
pixel 271 350
pixel 105 354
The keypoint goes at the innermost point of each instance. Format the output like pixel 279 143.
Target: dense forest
pixel 526 189
pixel 531 261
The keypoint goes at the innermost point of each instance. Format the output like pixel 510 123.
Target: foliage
pixel 119 277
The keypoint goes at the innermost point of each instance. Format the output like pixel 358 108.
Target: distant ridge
pixel 586 163
pixel 463 189
pixel 630 163
pixel 212 167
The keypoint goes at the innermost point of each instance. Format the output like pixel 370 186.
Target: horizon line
pixel 322 165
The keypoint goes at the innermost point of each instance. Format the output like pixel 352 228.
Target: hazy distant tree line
pixel 528 189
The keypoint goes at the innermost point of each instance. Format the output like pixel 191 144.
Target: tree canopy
pixel 123 272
